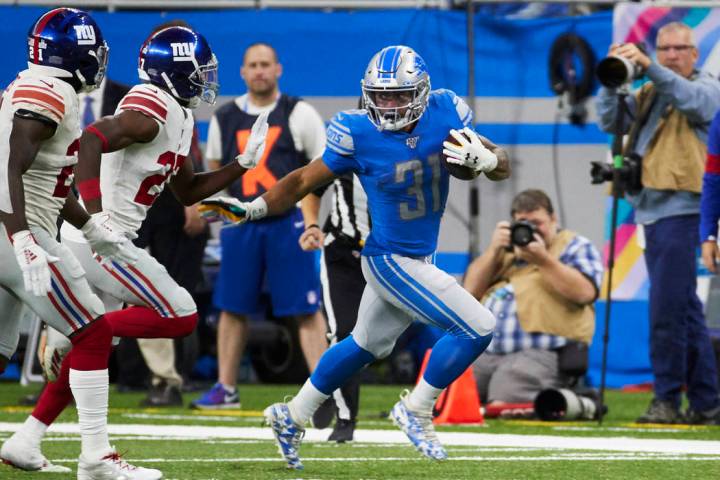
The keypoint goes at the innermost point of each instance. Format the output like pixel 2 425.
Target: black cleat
pixel 324 415
pixel 343 431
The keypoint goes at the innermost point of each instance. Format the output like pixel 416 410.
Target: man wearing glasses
pixel 667 122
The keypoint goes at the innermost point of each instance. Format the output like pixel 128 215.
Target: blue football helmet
pixel 65 42
pixel 179 60
pixel 395 88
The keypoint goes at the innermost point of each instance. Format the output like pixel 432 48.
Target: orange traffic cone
pixel 459 402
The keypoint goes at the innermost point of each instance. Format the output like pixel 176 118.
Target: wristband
pixel 257 209
pixel 89 189
pixel 312 225
pixel 94 131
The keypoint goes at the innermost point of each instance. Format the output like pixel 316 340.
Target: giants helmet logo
pixel 182 52
pixel 85 34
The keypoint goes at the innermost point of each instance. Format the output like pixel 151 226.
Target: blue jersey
pixel 406 186
pixel 710 199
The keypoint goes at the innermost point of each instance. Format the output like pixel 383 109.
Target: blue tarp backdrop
pixel 324 54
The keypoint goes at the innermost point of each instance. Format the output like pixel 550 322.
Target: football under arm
pixel 27 135
pixel 294 186
pixel 108 134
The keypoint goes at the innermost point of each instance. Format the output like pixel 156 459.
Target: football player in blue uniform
pixel 394 147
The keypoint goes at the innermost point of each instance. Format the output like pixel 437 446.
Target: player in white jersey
pixel 145 144
pixel 39 128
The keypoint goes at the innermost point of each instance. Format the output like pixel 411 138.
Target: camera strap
pixel 646 101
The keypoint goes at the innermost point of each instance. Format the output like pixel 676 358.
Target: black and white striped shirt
pixel 349 218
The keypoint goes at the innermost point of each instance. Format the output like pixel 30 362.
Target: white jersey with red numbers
pixel 48 179
pixel 132 178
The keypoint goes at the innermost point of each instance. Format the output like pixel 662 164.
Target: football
pixel 457 171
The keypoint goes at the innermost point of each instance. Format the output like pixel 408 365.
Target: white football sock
pixel 90 389
pixel 306 402
pixel 33 430
pixel 423 397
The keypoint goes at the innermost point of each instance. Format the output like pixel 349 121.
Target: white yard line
pixel 514 458
pixel 619 444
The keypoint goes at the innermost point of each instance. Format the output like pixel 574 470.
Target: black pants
pixel 343 284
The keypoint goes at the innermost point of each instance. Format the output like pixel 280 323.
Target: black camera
pixel 630 173
pixel 615 71
pixel 522 233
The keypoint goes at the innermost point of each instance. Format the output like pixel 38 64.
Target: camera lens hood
pixel 614 71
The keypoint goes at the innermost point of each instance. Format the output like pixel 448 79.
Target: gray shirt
pixel 698 99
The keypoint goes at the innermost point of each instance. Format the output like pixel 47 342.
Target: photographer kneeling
pixel 542 295
pixel 667 121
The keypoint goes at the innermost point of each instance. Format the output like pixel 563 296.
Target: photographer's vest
pixel 675 157
pixel 540 309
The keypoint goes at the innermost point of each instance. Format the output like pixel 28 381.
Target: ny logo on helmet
pixel 85 34
pixel 182 52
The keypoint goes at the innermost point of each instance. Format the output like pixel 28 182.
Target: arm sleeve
pixel 582 255
pixel 606 103
pixel 38 97
pixel 146 101
pixel 698 99
pixel 465 114
pixel 710 197
pixel 448 99
pixel 308 130
pixel 339 153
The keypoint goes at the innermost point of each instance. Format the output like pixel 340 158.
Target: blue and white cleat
pixel 288 434
pixel 419 429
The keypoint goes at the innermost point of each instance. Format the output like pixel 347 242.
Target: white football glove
pixel 33 261
pixel 255 146
pixel 232 210
pixel 107 244
pixel 57 347
pixel 469 153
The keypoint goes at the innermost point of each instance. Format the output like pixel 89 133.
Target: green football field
pixel 187 444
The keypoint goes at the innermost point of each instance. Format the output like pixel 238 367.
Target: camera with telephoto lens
pixel 522 233
pixel 630 173
pixel 563 404
pixel 614 71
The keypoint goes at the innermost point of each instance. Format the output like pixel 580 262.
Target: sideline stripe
pixel 514 458
pixel 604 444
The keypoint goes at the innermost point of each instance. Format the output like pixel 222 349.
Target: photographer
pixel 667 121
pixel 542 295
